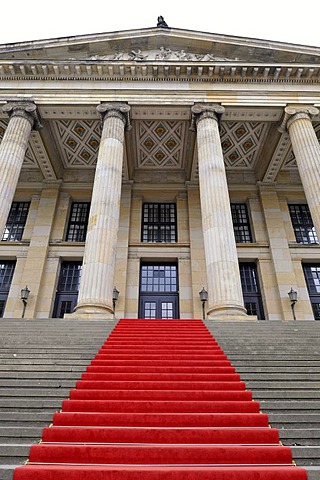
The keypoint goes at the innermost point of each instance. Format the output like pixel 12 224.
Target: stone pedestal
pixel 225 300
pixel 97 280
pixel 23 118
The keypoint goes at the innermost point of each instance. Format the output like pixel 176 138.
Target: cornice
pixel 160 71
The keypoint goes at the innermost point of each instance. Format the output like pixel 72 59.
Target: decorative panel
pixel 160 143
pixel 78 141
pixel 241 143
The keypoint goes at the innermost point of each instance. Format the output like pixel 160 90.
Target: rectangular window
pixel 70 275
pixel 241 226
pixel 312 276
pixel 16 222
pixel 78 222
pixel 6 274
pixel 159 223
pixel 159 278
pixel 302 224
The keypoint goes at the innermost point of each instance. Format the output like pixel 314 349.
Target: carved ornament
pixel 201 111
pixel 27 110
pixel 163 53
pixel 116 109
pixel 294 112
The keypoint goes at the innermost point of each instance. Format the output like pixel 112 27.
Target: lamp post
pixel 24 297
pixel 115 295
pixel 293 295
pixel 204 298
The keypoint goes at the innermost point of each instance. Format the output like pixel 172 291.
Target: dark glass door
pixel 68 288
pixel 312 276
pixel 159 296
pixel 251 290
pixel 6 274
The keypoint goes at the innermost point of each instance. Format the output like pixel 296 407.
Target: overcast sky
pixel 292 21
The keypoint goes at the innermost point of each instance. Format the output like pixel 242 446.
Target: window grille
pixel 16 222
pixel 78 222
pixel 241 226
pixel 302 224
pixel 159 223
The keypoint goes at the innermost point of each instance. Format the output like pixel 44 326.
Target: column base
pixel 88 316
pixel 90 311
pixel 232 314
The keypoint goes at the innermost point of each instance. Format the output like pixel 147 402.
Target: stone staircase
pixel 40 361
pixel 280 363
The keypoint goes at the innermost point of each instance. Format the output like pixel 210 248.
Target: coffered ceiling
pixel 160 140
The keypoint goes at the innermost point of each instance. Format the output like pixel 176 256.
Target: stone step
pixel 6 471
pixel 297 437
pixel 284 394
pixel 287 370
pixel 306 455
pixel 17 434
pixel 271 363
pixel 12 383
pixel 14 453
pixel 313 472
pixel 34 392
pixel 258 384
pixel 24 419
pixel 287 405
pixel 41 363
pixel 13 403
pixel 5 369
pixel 293 377
pixel 35 376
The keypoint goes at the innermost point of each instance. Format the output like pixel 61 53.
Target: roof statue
pixel 161 22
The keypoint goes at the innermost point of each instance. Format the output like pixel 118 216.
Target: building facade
pixel 159 161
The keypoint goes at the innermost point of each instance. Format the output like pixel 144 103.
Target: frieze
pixel 162 54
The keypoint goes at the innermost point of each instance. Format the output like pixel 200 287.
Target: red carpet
pixel 160 401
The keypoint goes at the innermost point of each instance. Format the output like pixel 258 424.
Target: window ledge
pixel 158 244
pixel 303 245
pixel 252 244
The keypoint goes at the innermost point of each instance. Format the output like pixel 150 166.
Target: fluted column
pixel 23 118
pixel 95 294
pixel 225 300
pixel 306 150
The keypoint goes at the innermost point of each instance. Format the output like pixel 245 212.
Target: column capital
pixel 115 109
pixel 201 111
pixel 27 110
pixel 295 112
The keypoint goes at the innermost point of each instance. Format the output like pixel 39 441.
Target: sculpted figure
pixel 161 22
pixel 118 56
pixel 138 55
pixel 163 54
pixel 182 55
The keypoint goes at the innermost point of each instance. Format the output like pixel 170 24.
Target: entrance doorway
pixel 68 288
pixel 159 297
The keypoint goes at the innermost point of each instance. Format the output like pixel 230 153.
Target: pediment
pixel 160 45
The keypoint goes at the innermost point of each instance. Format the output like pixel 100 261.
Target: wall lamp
pixel 24 297
pixel 115 295
pixel 293 295
pixel 204 298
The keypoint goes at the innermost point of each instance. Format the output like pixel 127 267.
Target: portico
pixel 141 163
